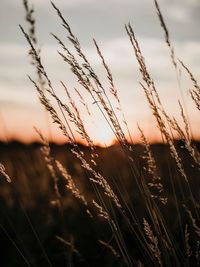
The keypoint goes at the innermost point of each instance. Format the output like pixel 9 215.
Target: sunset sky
pixel 104 20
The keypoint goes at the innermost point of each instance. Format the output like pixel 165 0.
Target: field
pixel 128 204
pixel 31 221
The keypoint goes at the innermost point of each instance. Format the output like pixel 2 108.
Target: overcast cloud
pixel 105 21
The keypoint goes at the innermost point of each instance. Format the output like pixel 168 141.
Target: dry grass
pixel 133 235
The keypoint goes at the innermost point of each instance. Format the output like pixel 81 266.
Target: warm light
pixel 103 136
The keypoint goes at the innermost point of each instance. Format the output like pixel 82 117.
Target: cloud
pixel 117 52
pixel 103 20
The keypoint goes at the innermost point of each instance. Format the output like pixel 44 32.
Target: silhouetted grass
pixel 125 205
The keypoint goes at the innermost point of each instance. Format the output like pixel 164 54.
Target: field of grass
pixel 125 205
pixel 30 216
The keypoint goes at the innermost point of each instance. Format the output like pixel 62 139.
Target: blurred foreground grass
pixel 32 227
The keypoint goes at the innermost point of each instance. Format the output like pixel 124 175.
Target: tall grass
pixel 137 238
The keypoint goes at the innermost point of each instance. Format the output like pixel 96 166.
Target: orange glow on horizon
pixel 102 140
pixel 21 129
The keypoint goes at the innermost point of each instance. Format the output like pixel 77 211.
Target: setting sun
pixel 103 136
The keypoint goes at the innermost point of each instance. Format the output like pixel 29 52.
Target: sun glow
pixel 102 135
